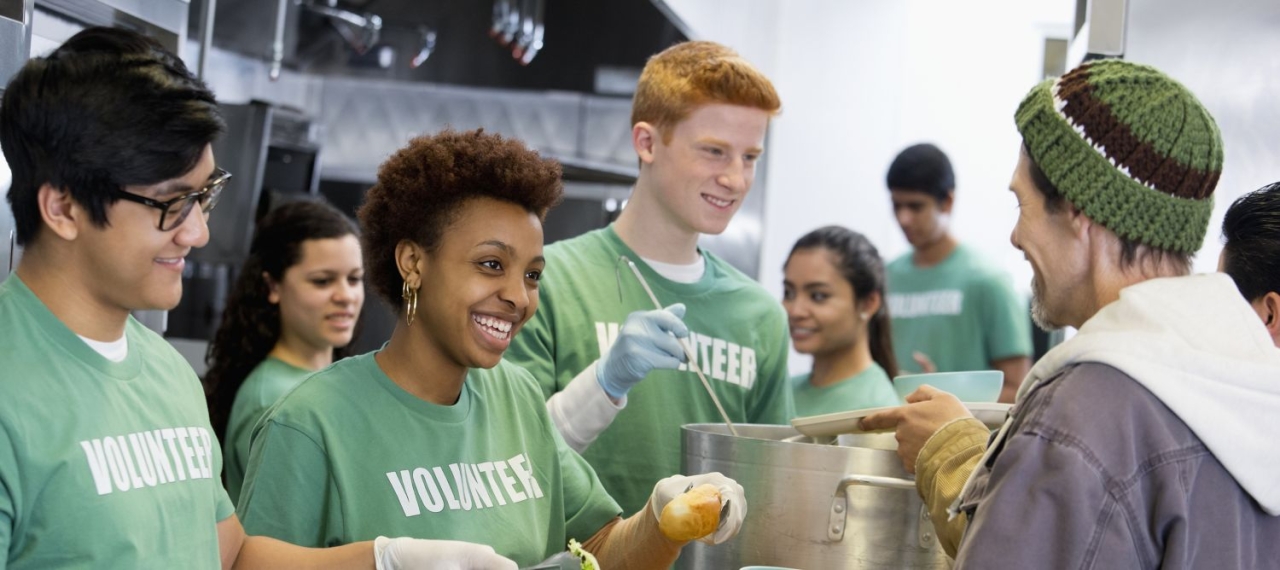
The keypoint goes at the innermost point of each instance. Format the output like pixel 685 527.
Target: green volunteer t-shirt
pixel 349 456
pixel 963 313
pixel 102 464
pixel 870 388
pixel 737 331
pixel 269 381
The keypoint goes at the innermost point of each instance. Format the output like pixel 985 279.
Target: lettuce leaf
pixel 588 560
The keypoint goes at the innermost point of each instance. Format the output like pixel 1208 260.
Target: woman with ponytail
pixel 833 292
pixel 292 311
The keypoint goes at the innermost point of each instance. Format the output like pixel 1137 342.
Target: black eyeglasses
pixel 174 212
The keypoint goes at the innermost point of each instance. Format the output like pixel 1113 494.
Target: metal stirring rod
pixel 688 352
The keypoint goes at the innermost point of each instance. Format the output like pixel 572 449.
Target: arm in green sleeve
pixel 587 506
pixel 771 396
pixel 8 508
pixel 288 492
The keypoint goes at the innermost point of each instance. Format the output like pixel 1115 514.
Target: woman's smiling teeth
pixel 716 201
pixel 498 328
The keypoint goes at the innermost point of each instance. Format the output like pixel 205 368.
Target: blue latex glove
pixel 647 341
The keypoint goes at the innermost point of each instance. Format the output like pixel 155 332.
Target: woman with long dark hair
pixel 292 311
pixel 833 292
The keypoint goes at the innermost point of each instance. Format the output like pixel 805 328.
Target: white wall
pixel 1199 44
pixel 749 26
pixel 859 81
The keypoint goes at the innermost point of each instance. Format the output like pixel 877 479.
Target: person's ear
pixel 273 288
pixel 1079 223
pixel 411 261
pixel 870 305
pixel 60 212
pixel 946 204
pixel 645 139
pixel 1268 308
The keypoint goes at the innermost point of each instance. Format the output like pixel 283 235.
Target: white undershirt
pixel 115 350
pixel 690 273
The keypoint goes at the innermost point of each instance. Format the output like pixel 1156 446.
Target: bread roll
pixel 692 515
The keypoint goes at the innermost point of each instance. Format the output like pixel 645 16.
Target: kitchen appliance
pixel 813 506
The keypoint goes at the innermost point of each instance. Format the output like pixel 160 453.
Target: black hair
pixel 922 168
pixel 251 323
pixel 861 265
pixel 1251 242
pixel 107 109
pixel 1132 252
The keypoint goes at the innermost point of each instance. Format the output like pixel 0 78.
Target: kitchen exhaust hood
pixel 564 45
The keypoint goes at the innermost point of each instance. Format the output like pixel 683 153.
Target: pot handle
pixel 875 481
pixel 840 502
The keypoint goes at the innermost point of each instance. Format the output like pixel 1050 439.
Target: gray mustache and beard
pixel 1040 313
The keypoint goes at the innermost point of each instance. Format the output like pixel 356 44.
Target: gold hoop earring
pixel 410 296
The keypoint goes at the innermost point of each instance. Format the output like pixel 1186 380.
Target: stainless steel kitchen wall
pixel 1225 52
pixel 15 44
pixel 365 121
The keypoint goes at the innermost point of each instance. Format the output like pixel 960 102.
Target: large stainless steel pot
pixel 813 507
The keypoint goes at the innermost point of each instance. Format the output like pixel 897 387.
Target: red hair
pixel 690 74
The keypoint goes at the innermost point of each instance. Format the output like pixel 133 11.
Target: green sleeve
pixel 587 506
pixel 225 505
pixel 239 428
pixel 288 492
pixel 8 478
pixel 772 401
pixel 534 348
pixel 1005 320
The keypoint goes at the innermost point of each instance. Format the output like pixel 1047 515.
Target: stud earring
pixel 864 316
pixel 410 296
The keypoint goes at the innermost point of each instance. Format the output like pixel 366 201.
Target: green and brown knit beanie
pixel 1130 147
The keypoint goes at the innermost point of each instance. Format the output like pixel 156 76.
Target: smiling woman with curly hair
pixel 434 436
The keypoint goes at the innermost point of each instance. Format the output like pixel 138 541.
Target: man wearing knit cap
pixel 1148 439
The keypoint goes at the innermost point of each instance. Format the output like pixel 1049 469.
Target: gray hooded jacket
pixel 1149 440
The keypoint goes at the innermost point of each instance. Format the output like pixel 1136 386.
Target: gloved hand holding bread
pixel 709 508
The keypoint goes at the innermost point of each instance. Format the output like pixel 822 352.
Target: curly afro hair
pixel 423 185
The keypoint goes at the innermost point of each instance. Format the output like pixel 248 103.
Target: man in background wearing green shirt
pixel 699 119
pixel 107 459
pixel 951 309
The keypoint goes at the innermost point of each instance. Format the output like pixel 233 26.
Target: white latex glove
pixel 411 553
pixel 730 494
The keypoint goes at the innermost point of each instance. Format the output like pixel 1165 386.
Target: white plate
pixel 827 425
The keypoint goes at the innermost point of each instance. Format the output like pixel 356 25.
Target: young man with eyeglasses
pixel 107 459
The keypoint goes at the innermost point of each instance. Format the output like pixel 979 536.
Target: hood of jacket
pixel 1198 346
